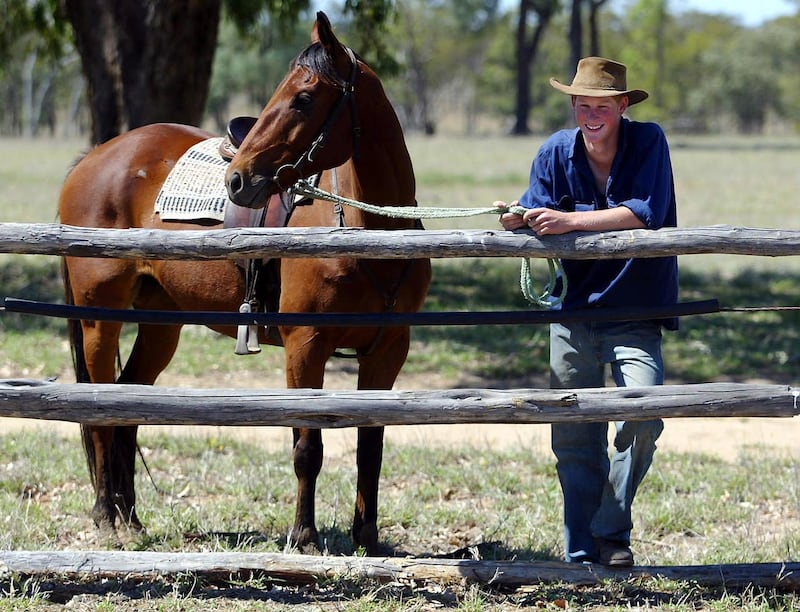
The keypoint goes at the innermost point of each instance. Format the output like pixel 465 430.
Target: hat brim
pixel 634 95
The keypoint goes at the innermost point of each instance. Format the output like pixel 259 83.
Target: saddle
pixel 262 276
pixel 238 129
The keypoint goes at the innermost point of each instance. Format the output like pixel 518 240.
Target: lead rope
pixel 545 299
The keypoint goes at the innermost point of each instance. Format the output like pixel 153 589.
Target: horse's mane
pixel 316 59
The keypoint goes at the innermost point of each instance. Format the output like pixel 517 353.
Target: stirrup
pixel 246 335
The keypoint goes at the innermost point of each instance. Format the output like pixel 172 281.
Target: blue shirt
pixel 640 179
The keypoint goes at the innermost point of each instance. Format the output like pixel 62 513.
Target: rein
pixel 544 299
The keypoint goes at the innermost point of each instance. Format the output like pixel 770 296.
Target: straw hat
pixel 598 77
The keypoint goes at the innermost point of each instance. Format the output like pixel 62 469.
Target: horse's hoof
pixel 132 523
pixel 366 537
pixel 104 520
pixel 305 540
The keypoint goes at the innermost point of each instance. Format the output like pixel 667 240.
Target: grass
pixel 693 509
pixel 218 493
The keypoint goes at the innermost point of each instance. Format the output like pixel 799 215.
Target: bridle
pixel 348 95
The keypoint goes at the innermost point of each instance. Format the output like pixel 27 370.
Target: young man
pixel 609 173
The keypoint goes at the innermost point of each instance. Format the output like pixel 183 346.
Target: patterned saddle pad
pixel 195 187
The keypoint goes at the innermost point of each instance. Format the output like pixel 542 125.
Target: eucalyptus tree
pixel 151 61
pixel 441 46
pixel 533 19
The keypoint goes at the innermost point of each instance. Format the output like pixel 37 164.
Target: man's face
pixel 598 118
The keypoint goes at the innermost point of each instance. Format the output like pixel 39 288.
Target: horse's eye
pixel 302 100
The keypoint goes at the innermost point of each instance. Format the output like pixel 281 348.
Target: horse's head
pixel 310 124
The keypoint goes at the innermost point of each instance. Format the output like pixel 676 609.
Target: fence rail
pixel 301 569
pixel 54 239
pixel 139 404
pixel 317 408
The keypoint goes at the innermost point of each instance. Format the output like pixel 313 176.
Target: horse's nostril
pixel 235 183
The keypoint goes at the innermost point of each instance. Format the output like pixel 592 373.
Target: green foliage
pixel 37 22
pixel 442 59
pixel 250 16
pixel 249 67
pixel 368 30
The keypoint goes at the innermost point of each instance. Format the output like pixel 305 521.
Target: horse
pixel 329 117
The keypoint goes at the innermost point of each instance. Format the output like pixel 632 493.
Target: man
pixel 609 173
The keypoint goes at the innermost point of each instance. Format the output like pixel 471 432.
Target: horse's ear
pixel 322 27
pixel 323 33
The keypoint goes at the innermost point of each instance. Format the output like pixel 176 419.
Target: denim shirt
pixel 641 180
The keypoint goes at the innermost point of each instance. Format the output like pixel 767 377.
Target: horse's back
pixel 117 182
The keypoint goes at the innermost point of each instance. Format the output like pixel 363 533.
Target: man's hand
pixel 545 221
pixel 509 220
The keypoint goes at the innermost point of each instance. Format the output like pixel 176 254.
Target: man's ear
pixel 623 104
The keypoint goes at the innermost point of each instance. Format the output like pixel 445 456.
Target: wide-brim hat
pixel 598 77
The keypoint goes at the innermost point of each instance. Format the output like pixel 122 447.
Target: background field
pixel 719 180
pixel 220 493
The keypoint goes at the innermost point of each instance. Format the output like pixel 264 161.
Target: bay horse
pixel 329 115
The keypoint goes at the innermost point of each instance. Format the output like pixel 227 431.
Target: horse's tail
pixel 79 364
pixel 75 331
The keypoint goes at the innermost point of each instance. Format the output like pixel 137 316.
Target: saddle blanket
pixel 195 187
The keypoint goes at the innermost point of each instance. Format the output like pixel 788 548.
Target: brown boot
pixel 613 553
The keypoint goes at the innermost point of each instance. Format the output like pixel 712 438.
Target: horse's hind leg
pixel 369 457
pixel 100 341
pixel 152 351
pixel 111 450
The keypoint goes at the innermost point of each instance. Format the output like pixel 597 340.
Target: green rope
pixel 543 299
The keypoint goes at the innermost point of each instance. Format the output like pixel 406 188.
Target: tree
pixel 644 52
pixel 744 79
pixel 32 42
pixel 594 27
pixel 575 36
pixel 441 47
pixel 144 62
pixel 528 38
pixel 151 61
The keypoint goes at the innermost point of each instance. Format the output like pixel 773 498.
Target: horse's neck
pixel 383 166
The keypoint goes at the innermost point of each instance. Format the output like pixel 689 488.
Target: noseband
pixel 348 95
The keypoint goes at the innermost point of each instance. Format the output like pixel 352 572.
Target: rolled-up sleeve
pixel 644 181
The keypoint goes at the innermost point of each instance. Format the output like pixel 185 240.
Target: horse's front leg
pixel 378 370
pixel 369 457
pixel 305 368
pixel 307 455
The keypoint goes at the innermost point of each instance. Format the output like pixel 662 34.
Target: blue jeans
pixel 598 491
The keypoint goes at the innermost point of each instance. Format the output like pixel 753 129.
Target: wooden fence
pixel 135 404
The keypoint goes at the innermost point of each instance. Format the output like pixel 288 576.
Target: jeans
pixel 598 491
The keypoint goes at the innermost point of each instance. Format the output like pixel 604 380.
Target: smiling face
pixel 599 118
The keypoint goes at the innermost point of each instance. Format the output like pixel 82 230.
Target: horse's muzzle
pixel 251 192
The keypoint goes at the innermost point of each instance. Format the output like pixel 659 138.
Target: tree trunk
pixel 144 62
pixel 594 28
pixel 526 54
pixel 575 37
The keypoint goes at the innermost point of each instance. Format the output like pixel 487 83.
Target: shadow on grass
pixel 30 278
pixel 729 345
